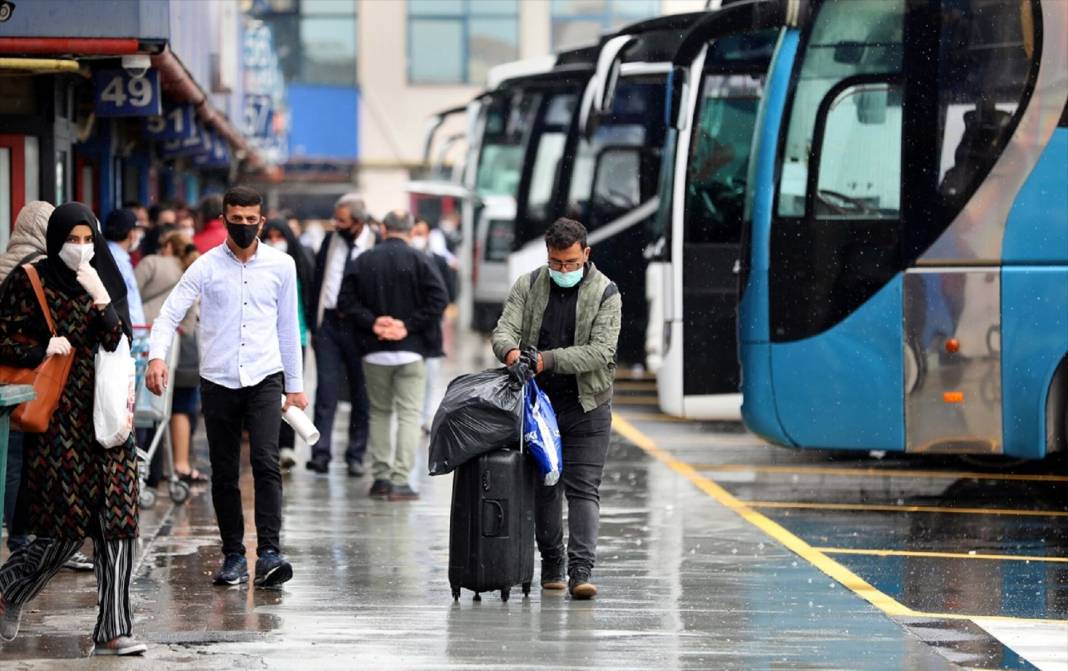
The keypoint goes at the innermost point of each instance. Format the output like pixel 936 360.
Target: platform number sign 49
pixel 120 94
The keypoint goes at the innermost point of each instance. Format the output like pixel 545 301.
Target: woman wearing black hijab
pixel 73 487
pixel 279 235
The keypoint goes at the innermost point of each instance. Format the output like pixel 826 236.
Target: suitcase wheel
pixel 455 593
pixel 526 589
pixel 505 593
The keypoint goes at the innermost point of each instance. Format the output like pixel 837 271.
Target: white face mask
pixel 75 255
pixel 188 231
pixel 280 245
pixel 419 242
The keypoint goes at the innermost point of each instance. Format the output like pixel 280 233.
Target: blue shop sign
pixel 259 115
pixel 217 157
pixel 118 93
pixel 198 143
pixel 178 122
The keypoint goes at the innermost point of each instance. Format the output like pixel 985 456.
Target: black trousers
pixel 227 412
pixel 336 353
pixel 585 437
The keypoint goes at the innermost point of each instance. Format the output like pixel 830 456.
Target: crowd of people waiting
pixel 247 295
pixel 166 269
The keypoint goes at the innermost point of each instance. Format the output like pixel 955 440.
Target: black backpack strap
pixel 609 291
pixel 534 276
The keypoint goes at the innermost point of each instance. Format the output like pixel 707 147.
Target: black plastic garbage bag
pixel 480 413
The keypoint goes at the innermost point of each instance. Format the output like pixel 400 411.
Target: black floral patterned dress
pixel 71 486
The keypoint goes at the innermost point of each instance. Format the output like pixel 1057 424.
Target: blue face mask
pixel 566 280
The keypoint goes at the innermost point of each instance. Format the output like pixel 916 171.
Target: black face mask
pixel 243 235
pixel 348 233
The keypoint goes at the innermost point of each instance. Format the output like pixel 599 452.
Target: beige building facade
pixel 393 109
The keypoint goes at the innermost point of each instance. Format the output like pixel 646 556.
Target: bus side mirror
pixel 600 91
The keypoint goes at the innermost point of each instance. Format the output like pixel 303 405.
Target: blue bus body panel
pixel 758 391
pixel 1034 339
pixel 758 395
pixel 844 389
pixel 1037 226
pixel 1034 330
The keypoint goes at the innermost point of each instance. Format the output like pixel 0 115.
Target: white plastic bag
pixel 113 397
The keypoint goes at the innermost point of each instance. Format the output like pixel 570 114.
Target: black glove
pixel 529 355
pixel 518 373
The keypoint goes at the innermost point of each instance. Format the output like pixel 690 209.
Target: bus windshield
pixel 622 155
pixel 719 160
pixel 506 123
pixel 849 40
pixel 550 150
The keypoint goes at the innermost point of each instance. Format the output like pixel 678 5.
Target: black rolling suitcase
pixel 491 535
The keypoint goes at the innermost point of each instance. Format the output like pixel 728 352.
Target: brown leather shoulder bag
pixel 48 379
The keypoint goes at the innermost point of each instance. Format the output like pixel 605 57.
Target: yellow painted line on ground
pixel 795 544
pixel 653 417
pixel 765 524
pixel 939 555
pixel 890 508
pixel 643 401
pixel 880 472
pixel 635 386
pixel 715 441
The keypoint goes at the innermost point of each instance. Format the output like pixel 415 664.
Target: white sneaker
pixel 79 562
pixel 10 616
pixel 122 646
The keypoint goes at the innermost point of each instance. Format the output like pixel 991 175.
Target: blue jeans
pixel 334 349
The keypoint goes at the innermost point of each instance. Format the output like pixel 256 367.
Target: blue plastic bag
pixel 541 433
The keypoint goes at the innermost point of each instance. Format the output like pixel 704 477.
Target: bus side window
pixel 984 64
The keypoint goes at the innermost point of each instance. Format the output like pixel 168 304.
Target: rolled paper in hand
pixel 301 424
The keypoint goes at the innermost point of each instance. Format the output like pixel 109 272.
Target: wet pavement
pixel 708 559
pixel 969 555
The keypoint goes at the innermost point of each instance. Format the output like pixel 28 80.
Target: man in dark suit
pixel 334 348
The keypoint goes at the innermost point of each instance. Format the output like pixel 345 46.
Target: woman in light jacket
pixel 157 275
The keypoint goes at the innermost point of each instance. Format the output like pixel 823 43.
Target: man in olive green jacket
pixel 569 312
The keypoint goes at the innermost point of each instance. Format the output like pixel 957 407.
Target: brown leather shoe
pixel 380 489
pixel 403 493
pixel 580 586
pixel 552 574
pixel 554 584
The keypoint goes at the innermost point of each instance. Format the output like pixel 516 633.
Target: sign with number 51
pixel 118 93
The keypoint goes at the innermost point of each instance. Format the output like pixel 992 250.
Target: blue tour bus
pixel 906 284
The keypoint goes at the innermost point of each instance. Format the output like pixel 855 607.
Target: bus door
pixel 708 211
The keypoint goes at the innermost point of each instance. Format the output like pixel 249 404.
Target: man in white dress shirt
pixel 250 357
